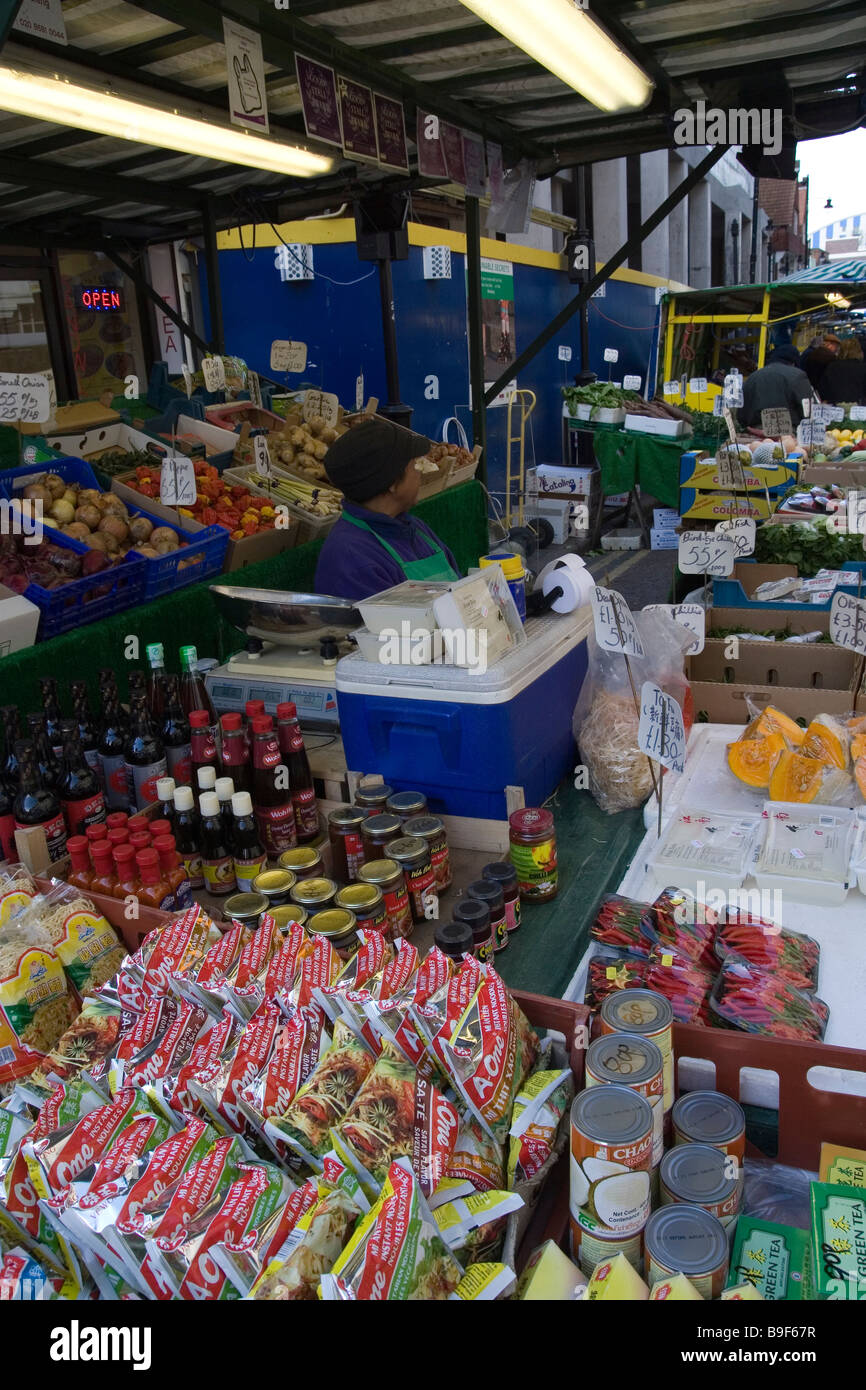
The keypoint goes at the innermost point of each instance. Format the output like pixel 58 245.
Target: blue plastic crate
pixel 89 599
pixel 729 593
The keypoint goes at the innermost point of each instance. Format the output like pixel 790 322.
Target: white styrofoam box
pixel 114 436
pixel 218 440
pixel 19 619
pixel 665 518
pixel 621 538
pixel 556 512
pixel 597 414
pixel 648 424
pixel 553 477
pixel 663 539
pixel 437 262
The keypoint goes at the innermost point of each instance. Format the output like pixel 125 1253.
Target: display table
pixel 648 461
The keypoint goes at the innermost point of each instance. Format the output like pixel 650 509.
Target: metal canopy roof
pixel 61 186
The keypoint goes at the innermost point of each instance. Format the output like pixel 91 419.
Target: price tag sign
pixel 322 403
pixel 35 403
pixel 187 380
pixel 727 471
pixel 837 415
pixel 615 628
pixel 811 432
pixel 262 456
pixel 718 406
pixel 688 615
pixel 661 733
pixel 671 388
pixel 742 529
pixel 214 373
pixel 632 383
pixel 857 412
pixel 611 355
pixel 10 398
pixel 177 481
pixel 288 356
pixel 705 552
pixel 359 392
pixel 564 352
pixel 848 622
pixel 824 414
pixel 254 386
pixel 775 423
pixel 733 390
pixel 698 385
pixel 600 292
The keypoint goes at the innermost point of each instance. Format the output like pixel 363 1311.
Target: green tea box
pixel 839 1241
pixel 775 1260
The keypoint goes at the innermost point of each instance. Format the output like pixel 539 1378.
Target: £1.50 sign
pixel 661 733
pixel 706 552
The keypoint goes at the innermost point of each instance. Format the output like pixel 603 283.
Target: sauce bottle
pixel 203 746
pixel 8 850
pixel 249 854
pixel 165 796
pixel 119 835
pixel 217 860
pixel 79 791
pixel 112 763
pixel 51 710
pixel 81 873
pixel 140 839
pixel 11 733
pixel 225 790
pixel 145 756
pixel 300 777
pixel 155 685
pixel 118 820
pixel 162 826
pixel 104 871
pixel 176 735
pixel 253 709
pixel 127 879
pixel 95 833
pixel 235 757
pixel 272 802
pixel 154 890
pixel 187 837
pixel 87 734
pixel 48 766
pixel 35 804
pixel 173 872
pixel 206 779
pixel 193 694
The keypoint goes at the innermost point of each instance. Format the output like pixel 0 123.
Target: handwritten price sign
pixel 689 615
pixel 615 628
pixel 742 529
pixel 262 455
pixel 322 403
pixel 177 481
pixel 288 356
pixel 661 733
pixel 214 372
pixel 848 622
pixel 705 552
pixel 24 396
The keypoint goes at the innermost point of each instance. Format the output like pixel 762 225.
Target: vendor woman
pixel 376 543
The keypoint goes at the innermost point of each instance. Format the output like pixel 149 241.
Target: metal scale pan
pixel 285 618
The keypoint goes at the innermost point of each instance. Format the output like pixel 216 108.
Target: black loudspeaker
pixel 381 232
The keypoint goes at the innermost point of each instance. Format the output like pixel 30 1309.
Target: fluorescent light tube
pixel 66 103
pixel 563 39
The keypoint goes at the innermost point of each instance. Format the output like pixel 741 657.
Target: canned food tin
pixel 611 1155
pixel 338 925
pixel 347 846
pixel 376 831
pixel 373 798
pixel 245 907
pixel 275 885
pixel 303 862
pixel 413 856
pixel 432 829
pixel 387 875
pixel 315 894
pixel 710 1117
pixel 649 1014
pixel 406 804
pixel 289 913
pixel 687 1240
pixel 704 1177
pixel 367 903
pixel 636 1062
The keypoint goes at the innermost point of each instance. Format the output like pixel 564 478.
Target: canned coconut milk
pixel 611 1155
pixel 625 1060
pixel 710 1117
pixel 649 1014
pixel 687 1240
pixel 702 1176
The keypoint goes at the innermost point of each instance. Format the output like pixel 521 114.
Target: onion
pixel 37 492
pixel 114 526
pixel 112 503
pixel 62 511
pixel 97 541
pixel 140 528
pixel 78 531
pixel 89 515
pixel 164 535
pixel 55 484
pixel 89 497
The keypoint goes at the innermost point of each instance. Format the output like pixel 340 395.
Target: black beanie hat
pixel 367 459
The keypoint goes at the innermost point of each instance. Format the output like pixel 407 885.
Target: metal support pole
pixel 214 293
pixel 583 173
pixel 393 409
pixel 476 332
pixel 753 249
pixel 140 281
pixel 693 177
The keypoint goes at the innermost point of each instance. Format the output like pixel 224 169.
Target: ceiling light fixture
pixel 66 103
pixel 562 38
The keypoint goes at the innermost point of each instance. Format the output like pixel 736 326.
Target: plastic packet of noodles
pixel 297 1052
pixel 316 969
pixel 476 1165
pixel 362 972
pixel 174 949
pixel 17 891
pixel 316 1237
pixel 396 1251
pixel 243 1261
pixel 257 1193
pixel 473 1227
pixel 204 982
pixel 171 1051
pixel 391 1018
pixel 218 1091
pixel 246 987
pixel 285 963
pixel 484 1283
pixel 321 1103
pixel 24 1279
pixel 537 1115
pixel 214 1046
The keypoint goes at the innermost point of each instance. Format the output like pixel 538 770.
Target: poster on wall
pixel 452 144
pixel 358 120
pixel 391 133
pixel 428 138
pixel 318 88
pixel 497 324
pixel 245 71
pixel 473 161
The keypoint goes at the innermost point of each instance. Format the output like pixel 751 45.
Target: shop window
pixel 23 336
pixel 101 312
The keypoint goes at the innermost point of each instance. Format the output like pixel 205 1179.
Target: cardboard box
pixel 823 474
pixel 842 1166
pixel 218 444
pixel 726 704
pixel 85 443
pixel 776 1260
pixel 650 424
pixel 757 619
pixel 763 666
pixel 558 513
pixel 19 619
pixel 665 518
pixel 663 539
pixel 838 1241
pixel 552 477
pixel 708 476
pixel 721 506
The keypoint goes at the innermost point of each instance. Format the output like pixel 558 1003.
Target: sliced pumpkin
pixel 827 741
pixel 860 774
pixel 785 724
pixel 856 725
pixel 795 778
pixel 858 747
pixel 753 759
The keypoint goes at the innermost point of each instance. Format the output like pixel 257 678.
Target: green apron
pixel 432 567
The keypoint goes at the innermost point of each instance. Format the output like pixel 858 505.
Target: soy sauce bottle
pixel 187 834
pixel 145 756
pixel 48 766
pixel 86 728
pixel 12 733
pixel 176 735
pixel 249 852
pixel 156 679
pixel 112 762
pixel 217 860
pixel 51 710
pixel 193 693
pixel 272 801
pixel 300 777
pixel 7 821
pixel 35 804
pixel 79 790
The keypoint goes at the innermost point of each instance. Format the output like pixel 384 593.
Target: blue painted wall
pixel 338 315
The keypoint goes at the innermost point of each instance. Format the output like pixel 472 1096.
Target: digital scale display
pixel 315 703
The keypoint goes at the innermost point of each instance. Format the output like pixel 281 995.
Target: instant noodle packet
pixel 35 1006
pixel 390 1015
pixel 173 949
pixel 474 1227
pixel 204 982
pixel 171 1051
pixel 243 1262
pixel 316 1238
pixel 396 1251
pixel 218 1090
pixel 86 943
pixel 86 1046
pixel 537 1115
pixel 482 1283
pixel 17 891
pixel 213 1049
pixel 25 1280
pixel 359 977
pixel 322 1102
pixel 258 1192
pixel 297 1052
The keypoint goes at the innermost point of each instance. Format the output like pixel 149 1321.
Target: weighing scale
pixel 294 641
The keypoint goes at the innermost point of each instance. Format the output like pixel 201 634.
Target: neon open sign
pixel 102 297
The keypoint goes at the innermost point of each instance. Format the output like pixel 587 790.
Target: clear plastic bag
pixel 775 1192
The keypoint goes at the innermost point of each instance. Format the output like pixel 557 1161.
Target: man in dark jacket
pixel 817 359
pixel 781 385
pixel 376 543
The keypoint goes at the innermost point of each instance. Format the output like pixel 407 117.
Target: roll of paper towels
pixel 576 586
pixel 571 563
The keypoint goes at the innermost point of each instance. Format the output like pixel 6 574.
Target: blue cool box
pixel 466 737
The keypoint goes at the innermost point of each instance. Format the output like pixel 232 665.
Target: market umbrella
pixel 853 269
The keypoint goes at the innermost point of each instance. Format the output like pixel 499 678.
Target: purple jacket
pixel 352 563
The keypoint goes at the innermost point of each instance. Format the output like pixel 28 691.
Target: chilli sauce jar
pixel 248 908
pixel 413 856
pixel 275 885
pixel 347 847
pixel 476 915
pixel 314 894
pixel 291 912
pixel 338 926
pixel 387 875
pixel 431 829
pixel 367 903
pixel 378 831
pixel 407 804
pixel 533 853
pixel 493 897
pixel 373 799
pixel 303 862
pixel 506 876
pixel 454 939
